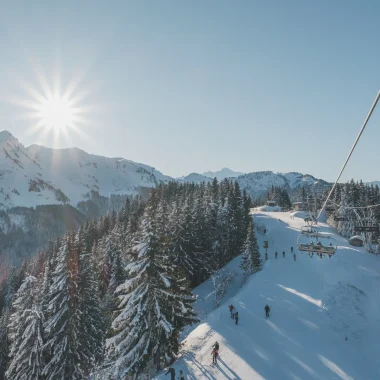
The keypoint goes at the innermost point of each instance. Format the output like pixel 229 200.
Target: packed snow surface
pixel 324 322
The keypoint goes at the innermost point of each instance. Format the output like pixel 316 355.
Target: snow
pixel 72 171
pixel 268 208
pixel 324 321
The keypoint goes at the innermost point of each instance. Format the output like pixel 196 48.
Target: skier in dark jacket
pixel 283 253
pixel 267 310
pixel 216 346
pixel 294 256
pixel 171 370
pixel 237 317
pixel 275 255
pixel 181 375
pixel 291 249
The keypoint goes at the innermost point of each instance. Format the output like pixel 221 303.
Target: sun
pixel 56 113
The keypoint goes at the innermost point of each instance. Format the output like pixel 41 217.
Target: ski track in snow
pixel 324 322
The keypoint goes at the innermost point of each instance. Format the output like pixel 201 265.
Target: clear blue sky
pixel 190 86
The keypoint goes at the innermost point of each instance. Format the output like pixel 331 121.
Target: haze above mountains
pixel 35 175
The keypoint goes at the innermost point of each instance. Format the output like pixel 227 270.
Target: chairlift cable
pixel 354 207
pixel 349 156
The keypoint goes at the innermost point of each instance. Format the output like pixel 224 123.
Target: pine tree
pixel 26 333
pixel 90 317
pixel 251 261
pixel 154 306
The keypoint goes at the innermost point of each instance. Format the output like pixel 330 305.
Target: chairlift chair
pixel 305 243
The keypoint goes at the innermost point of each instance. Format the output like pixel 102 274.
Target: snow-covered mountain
pixel 35 175
pixel 221 174
pixel 257 183
pixel 195 178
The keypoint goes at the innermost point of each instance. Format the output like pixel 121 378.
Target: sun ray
pixel 57 111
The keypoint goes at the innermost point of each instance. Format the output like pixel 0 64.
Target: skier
pixel 181 375
pixel 231 307
pixel 275 255
pixel 171 370
pixel 267 310
pixel 265 230
pixel 294 256
pixel 237 317
pixel 283 253
pixel 216 346
pixel 233 312
pixel 214 356
pixel 291 249
pixel 266 255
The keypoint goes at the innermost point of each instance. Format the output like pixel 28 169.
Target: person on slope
pixel 291 249
pixel 275 255
pixel 214 356
pixel 171 370
pixel 283 253
pixel 231 307
pixel 233 311
pixel 181 375
pixel 236 318
pixel 267 310
pixel 266 255
pixel 215 346
pixel 294 256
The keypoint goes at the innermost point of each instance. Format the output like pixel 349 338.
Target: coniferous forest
pixel 114 296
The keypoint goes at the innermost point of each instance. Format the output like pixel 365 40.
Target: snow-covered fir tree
pixel 155 305
pixel 251 260
pixel 26 333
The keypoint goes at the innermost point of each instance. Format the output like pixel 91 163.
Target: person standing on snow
pixel 214 356
pixel 171 370
pixel 181 375
pixel 233 311
pixel 291 249
pixel 275 255
pixel 283 253
pixel 216 346
pixel 294 257
pixel 267 310
pixel 236 318
pixel 231 307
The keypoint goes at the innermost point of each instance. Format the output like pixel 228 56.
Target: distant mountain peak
pixel 221 174
pixel 6 135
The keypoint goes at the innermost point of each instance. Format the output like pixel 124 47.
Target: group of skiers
pixel 171 370
pixel 283 254
pixel 234 314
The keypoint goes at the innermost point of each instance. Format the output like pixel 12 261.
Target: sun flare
pixel 56 113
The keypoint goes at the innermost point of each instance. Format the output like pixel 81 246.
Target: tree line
pixel 115 295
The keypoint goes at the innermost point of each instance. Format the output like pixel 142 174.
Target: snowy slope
pixel 324 323
pixel 36 175
pixel 223 173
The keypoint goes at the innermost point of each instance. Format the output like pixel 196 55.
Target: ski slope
pixel 324 323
